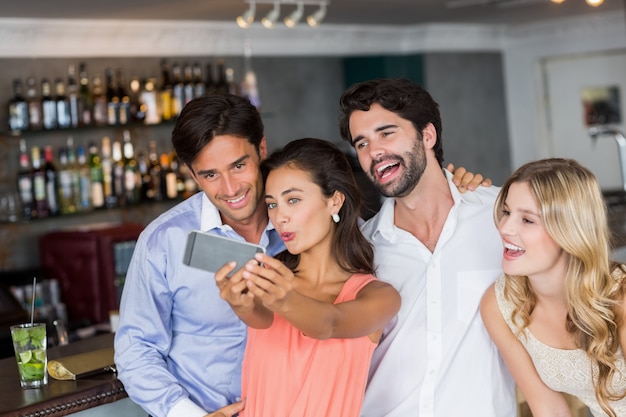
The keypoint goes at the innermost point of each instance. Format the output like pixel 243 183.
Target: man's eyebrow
pixel 236 162
pixel 378 129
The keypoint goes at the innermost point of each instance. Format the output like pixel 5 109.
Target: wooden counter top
pixel 59 398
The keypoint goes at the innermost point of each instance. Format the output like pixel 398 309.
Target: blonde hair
pixel 573 212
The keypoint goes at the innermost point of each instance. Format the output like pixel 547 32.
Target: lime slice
pixel 40 355
pixel 26 356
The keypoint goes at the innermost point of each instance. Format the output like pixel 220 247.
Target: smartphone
pixel 211 252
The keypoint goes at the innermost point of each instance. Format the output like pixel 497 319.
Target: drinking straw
pixel 32 308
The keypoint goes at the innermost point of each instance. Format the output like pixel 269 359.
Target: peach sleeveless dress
pixel 287 374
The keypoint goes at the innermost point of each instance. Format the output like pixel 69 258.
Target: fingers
pixel 232 289
pixel 271 282
pixel 221 276
pixel 457 176
pixel 465 180
pixel 229 410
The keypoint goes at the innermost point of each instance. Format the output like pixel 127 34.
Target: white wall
pixel 567 130
pixel 525 49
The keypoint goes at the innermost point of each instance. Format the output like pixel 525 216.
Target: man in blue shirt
pixel 179 346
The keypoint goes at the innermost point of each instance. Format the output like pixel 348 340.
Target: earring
pixel 335 217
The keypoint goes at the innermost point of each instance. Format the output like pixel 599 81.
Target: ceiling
pixel 360 12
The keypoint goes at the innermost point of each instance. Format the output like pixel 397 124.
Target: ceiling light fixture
pixel 292 20
pixel 247 18
pixel 316 18
pixel 595 3
pixel 271 18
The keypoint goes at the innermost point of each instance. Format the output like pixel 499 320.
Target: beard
pixel 413 164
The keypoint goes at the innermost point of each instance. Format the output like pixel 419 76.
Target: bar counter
pixel 59 398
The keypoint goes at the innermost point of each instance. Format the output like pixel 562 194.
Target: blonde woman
pixel 557 314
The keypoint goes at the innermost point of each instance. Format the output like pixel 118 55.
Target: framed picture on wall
pixel 601 105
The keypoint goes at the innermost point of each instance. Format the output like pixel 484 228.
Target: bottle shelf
pixel 84 129
pixel 71 217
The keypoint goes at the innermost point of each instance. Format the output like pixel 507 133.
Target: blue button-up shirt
pixel 179 346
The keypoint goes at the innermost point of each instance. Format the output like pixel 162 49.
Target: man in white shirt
pixel 439 248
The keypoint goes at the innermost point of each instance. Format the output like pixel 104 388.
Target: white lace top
pixel 568 371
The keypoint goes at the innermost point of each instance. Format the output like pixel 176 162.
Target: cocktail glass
pixel 29 343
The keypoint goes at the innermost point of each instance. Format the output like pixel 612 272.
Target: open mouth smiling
pixel 384 170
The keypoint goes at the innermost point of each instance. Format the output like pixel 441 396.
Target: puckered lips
pixel 512 251
pixel 385 171
pixel 287 236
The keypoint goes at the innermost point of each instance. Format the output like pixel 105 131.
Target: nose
pixel 505 226
pixel 230 187
pixel 376 150
pixel 279 215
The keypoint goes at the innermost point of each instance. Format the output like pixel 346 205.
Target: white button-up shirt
pixel 436 357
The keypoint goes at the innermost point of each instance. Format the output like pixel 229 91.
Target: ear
pixel 429 136
pixel 263 149
pixel 335 202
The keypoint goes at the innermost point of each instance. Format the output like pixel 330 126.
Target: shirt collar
pixel 384 220
pixel 210 216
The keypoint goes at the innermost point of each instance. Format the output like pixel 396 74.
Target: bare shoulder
pixel 488 301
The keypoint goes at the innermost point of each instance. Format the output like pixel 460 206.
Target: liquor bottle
pixel 178 90
pixel 18 108
pixel 132 179
pixel 137 114
pixel 209 84
pixel 73 167
pixel 85 102
pixel 124 107
pixel 249 89
pixel 99 113
pixel 233 87
pixel 221 86
pixel 165 92
pixel 154 171
pixel 190 185
pixel 110 199
pixel 180 179
pixel 112 100
pixel 72 96
pixel 84 174
pixel 199 88
pixel 39 185
pixel 25 183
pixel 149 103
pixel 52 182
pixel 64 117
pixel 66 189
pixel 118 174
pixel 96 177
pixel 35 117
pixel 145 183
pixel 48 106
pixel 168 178
pixel 189 86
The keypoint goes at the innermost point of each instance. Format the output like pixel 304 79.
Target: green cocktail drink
pixel 29 343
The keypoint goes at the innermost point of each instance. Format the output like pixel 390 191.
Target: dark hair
pixel 205 117
pixel 403 97
pixel 330 170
